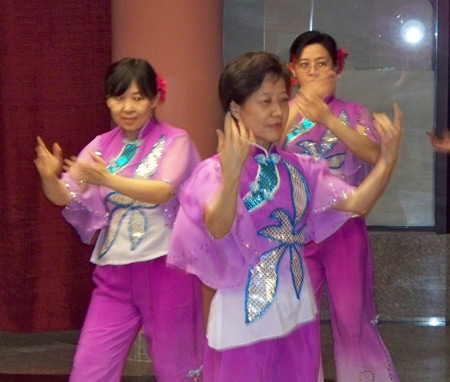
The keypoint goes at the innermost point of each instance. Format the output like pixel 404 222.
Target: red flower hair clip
pixel 292 80
pixel 161 85
pixel 341 56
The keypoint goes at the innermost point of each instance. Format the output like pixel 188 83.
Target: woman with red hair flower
pixel 341 133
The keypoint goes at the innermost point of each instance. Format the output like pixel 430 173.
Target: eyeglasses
pixel 318 66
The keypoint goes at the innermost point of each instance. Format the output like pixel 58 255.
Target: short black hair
pixel 245 74
pixel 313 37
pixel 122 73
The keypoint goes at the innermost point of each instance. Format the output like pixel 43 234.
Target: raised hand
pixel 390 133
pixel 440 144
pixel 48 164
pixel 87 172
pixel 312 107
pixel 323 85
pixel 233 147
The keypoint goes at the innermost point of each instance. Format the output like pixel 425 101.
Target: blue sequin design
pixel 124 205
pixel 127 154
pixel 303 126
pixel 289 232
pixel 321 150
pixel 266 184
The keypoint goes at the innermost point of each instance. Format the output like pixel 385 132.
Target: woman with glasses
pixel 341 133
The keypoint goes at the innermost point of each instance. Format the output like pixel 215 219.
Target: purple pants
pixel 293 358
pixel 165 302
pixel 344 263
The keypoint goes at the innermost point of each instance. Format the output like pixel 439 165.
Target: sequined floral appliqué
pixel 123 205
pixel 323 149
pixel 263 277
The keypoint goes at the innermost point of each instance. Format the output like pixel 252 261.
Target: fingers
pixel 384 126
pixel 97 159
pixel 40 147
pixel 227 126
pixel 57 152
pixel 40 142
pixel 243 132
pixel 398 117
pixel 220 139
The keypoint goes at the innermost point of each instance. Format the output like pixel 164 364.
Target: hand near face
pixel 87 172
pixel 312 107
pixel 323 85
pixel 390 133
pixel 48 163
pixel 440 144
pixel 233 147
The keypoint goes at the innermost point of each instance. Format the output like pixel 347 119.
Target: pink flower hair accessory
pixel 161 85
pixel 341 56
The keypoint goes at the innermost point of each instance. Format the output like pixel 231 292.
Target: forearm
pixel 220 214
pixel 359 144
pixel 367 193
pixel 55 191
pixel 148 191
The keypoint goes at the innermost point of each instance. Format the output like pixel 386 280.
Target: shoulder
pixel 298 160
pixel 173 131
pixel 306 164
pixel 208 165
pixel 343 104
pixel 108 137
pixel 206 175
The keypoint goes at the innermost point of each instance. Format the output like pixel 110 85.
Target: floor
pixel 420 353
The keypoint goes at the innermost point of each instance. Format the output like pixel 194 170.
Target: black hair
pixel 245 74
pixel 122 73
pixel 314 37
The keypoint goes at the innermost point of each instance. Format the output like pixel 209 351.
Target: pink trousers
pixel 165 302
pixel 293 358
pixel 344 263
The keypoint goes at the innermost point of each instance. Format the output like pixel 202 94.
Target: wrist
pixel 332 122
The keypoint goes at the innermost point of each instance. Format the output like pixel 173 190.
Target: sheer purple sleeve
pixel 219 263
pixel 178 161
pixel 355 170
pixel 325 191
pixel 86 212
pixel 176 165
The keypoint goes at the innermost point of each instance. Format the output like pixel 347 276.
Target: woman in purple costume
pixel 125 184
pixel 245 216
pixel 343 135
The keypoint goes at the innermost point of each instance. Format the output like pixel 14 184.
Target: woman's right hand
pixel 322 86
pixel 233 147
pixel 391 133
pixel 48 164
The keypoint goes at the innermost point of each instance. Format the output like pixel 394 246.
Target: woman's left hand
pixel 86 172
pixel 390 133
pixel 313 108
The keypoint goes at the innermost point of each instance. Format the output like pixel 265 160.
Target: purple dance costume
pixel 261 325
pixel 133 286
pixel 343 261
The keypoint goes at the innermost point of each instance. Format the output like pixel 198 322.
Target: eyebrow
pixel 318 58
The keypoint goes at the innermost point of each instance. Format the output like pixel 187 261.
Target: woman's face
pixel 265 112
pixel 131 110
pixel 313 62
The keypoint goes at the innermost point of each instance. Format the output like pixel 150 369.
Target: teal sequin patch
pixel 266 184
pixel 127 154
pixel 299 128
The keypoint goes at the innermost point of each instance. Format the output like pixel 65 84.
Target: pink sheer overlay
pixel 353 169
pixel 88 212
pixel 224 263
